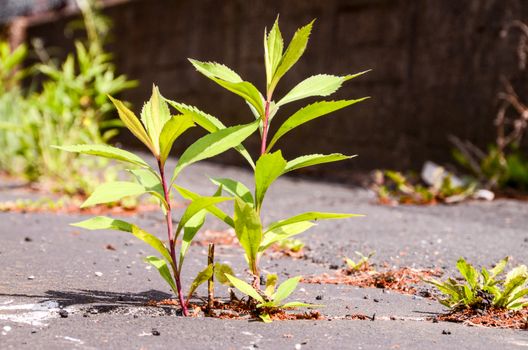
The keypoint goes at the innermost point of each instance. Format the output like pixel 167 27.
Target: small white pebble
pixel 298 346
pixel 148 267
pixel 98 274
pixel 31 277
pixel 6 328
pixel 302 290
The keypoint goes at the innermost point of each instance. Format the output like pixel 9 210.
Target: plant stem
pixel 210 283
pixel 172 241
pixel 265 127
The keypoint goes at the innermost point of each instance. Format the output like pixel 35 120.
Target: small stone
pixel 63 313
pixel 366 297
pixel 93 311
pixel 28 239
pixel 319 297
pixel 446 332
pixel 392 318
pixel 155 332
pixel 435 319
pixel 298 346
pixel 98 273
pixel 33 331
pixel 7 328
pixel 375 300
pixel 334 267
pixel 31 277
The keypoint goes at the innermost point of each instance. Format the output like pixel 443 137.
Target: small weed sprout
pixel 363 264
pixel 157 129
pixel 485 289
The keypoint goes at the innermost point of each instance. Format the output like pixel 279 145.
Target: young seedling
pixel 485 290
pixel 270 300
pixel 157 129
pixel 362 264
pixel 254 236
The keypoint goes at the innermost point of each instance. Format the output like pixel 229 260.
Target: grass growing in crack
pixel 158 129
pixel 254 236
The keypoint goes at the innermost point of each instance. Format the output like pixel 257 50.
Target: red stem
pixel 172 241
pixel 265 127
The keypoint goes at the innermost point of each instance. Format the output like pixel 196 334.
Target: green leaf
pixel 309 216
pixel 283 232
pixel 294 51
pixel 317 85
pixel 269 167
pixel 154 115
pixel 271 282
pixel 229 80
pixel 106 152
pixel 314 159
pixel 190 229
pixel 265 317
pixel 209 123
pixel 296 304
pixel 189 195
pixel 172 129
pixel 151 183
pixel 468 272
pixel 132 123
pixel 285 289
pixel 213 144
pixel 235 188
pixel 106 223
pixel 197 205
pixel 308 113
pixel 220 271
pixel 163 269
pixel 244 287
pixel 499 268
pixel 202 277
pixel 216 70
pixel 273 47
pixel 113 191
pixel 248 230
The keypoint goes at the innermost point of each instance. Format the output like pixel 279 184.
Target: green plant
pixel 254 236
pixel 270 300
pixel 362 264
pixel 157 129
pixel 290 244
pixel 394 187
pixel 483 290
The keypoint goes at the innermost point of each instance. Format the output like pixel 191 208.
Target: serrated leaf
pixel 283 232
pixel 106 223
pixel 106 152
pixel 248 229
pixel 499 268
pixel 132 123
pixel 235 188
pixel 213 144
pixel 268 168
pixel 220 271
pixel 151 182
pixel 229 80
pixel 308 113
pixel 209 123
pixel 294 51
pixel 154 115
pixel 190 229
pixel 273 48
pixel 202 277
pixel 216 70
pixel 163 269
pixel 309 216
pixel 317 85
pixel 113 191
pixel 469 273
pixel 172 129
pixel 285 289
pixel 244 287
pixel 196 206
pixel 189 195
pixel 314 159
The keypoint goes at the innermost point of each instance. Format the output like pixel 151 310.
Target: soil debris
pixel 402 280
pixel 492 317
